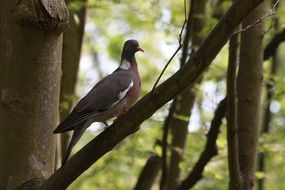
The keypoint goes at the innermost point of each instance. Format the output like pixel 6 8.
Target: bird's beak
pixel 139 49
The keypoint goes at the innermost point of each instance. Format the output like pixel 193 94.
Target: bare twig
pixel 168 121
pixel 187 34
pixel 273 12
pixel 156 82
pixel 177 50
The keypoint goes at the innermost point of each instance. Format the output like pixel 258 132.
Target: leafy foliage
pixel 156 25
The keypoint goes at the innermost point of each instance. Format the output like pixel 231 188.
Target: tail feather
pixel 78 132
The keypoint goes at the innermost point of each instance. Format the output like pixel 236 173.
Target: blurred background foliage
pixel 156 25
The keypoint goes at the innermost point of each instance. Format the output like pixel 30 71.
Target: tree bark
pixel 270 92
pixel 72 42
pixel 232 127
pixel 30 56
pixel 249 96
pixel 129 123
pixel 185 101
pixel 149 173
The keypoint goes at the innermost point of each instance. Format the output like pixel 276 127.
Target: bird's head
pixel 130 48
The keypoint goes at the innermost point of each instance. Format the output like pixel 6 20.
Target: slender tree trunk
pixel 129 122
pixel 149 173
pixel 72 42
pixel 249 96
pixel 186 99
pixel 267 119
pixel 30 57
pixel 232 127
pixel 267 116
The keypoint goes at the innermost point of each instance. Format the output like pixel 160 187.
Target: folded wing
pixel 104 95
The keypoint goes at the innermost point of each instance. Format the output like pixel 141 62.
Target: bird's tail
pixel 77 133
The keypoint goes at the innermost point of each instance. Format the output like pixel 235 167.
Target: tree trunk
pixel 232 138
pixel 249 95
pixel 30 56
pixel 129 122
pixel 72 42
pixel 149 173
pixel 186 99
pixel 267 117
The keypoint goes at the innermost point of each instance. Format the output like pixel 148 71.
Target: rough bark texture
pixel 143 109
pixel 72 42
pixel 30 57
pixel 232 138
pixel 249 96
pixel 149 173
pixel 185 101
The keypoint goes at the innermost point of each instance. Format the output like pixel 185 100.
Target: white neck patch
pixel 125 65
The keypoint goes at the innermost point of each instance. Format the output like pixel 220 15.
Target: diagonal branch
pixel 272 46
pixel 210 148
pixel 143 109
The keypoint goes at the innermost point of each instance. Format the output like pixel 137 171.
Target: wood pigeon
pixel 110 97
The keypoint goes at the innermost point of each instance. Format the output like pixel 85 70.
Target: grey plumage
pixel 110 97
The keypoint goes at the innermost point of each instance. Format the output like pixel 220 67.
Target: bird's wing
pixel 104 95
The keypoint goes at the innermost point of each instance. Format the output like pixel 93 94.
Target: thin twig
pixel 186 40
pixel 273 12
pixel 177 50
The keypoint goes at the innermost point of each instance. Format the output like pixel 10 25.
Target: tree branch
pixel 272 46
pixel 210 148
pixel 273 12
pixel 176 51
pixel 143 109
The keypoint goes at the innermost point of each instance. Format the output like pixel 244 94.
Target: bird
pixel 110 97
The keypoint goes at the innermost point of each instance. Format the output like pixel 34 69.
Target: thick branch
pixel 272 46
pixel 143 109
pixel 210 148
